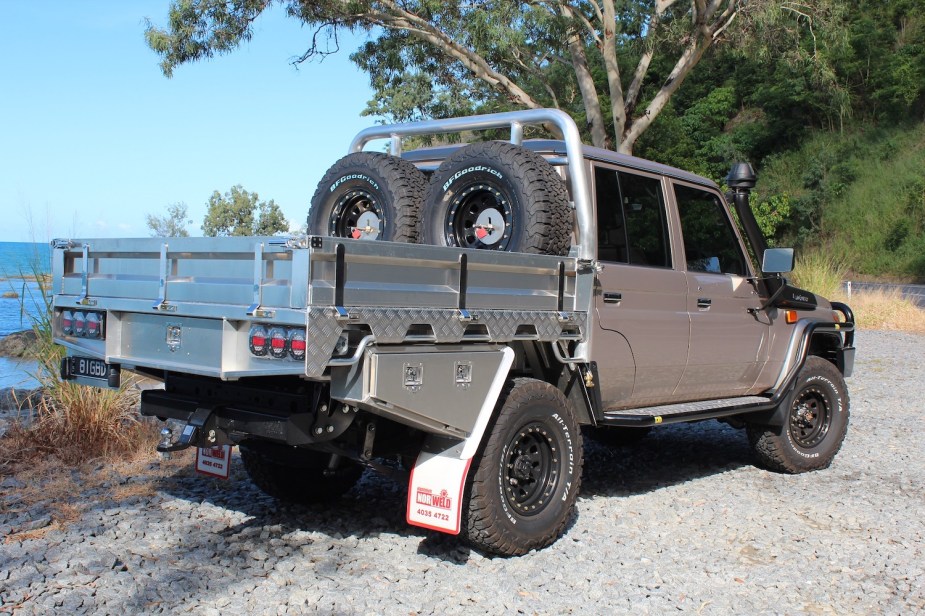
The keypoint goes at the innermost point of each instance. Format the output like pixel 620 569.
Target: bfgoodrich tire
pixel 498 196
pixel 369 196
pixel 526 476
pixel 297 475
pixel 815 424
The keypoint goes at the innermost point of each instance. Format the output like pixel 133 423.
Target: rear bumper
pixel 222 424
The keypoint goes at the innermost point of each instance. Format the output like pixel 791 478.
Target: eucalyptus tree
pixel 614 64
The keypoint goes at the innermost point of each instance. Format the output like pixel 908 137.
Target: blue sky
pixel 93 137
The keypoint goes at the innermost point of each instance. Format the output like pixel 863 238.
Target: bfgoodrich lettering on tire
pixel 498 196
pixel 525 479
pixel 369 196
pixel 815 425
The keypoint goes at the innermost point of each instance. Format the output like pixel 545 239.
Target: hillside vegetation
pixel 859 196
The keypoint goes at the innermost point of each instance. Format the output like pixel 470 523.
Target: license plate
pixel 91 371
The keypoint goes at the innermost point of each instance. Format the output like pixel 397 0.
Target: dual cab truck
pixel 460 315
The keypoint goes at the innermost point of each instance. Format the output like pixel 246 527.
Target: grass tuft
pixel 887 310
pixel 820 273
pixel 68 422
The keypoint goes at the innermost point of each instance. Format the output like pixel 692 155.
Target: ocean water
pixel 21 301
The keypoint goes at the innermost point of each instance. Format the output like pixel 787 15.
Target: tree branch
pixel 682 68
pixel 586 85
pixel 612 68
pixel 397 18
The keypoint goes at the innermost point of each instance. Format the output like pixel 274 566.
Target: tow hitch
pixel 190 435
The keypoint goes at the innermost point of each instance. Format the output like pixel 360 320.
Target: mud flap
pixel 438 479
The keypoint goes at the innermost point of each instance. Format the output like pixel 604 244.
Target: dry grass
pixel 64 493
pixel 886 310
pixel 819 273
pixel 72 423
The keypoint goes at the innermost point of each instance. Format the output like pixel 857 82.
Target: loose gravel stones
pixel 682 521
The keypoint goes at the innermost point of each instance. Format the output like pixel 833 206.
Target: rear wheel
pixel 815 425
pixel 369 196
pixel 525 479
pixel 297 475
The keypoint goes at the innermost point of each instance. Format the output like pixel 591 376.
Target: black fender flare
pixel 802 342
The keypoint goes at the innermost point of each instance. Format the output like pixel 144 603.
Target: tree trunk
pixel 589 97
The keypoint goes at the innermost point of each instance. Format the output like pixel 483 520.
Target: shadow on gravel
pixel 214 538
pixel 669 455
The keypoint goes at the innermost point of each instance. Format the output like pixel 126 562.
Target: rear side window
pixel 631 223
pixel 710 244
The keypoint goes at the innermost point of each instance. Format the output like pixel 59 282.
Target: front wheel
pixel 815 425
pixel 526 477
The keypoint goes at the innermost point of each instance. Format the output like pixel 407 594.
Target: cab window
pixel 710 244
pixel 631 223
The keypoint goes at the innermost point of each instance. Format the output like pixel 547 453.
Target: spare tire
pixel 498 196
pixel 369 196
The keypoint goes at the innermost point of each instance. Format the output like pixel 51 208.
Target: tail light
pixel 277 342
pixel 93 325
pixel 257 340
pixel 83 324
pixel 67 323
pixel 297 344
pixel 80 323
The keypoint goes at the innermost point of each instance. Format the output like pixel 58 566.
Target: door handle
pixel 704 302
pixel 612 298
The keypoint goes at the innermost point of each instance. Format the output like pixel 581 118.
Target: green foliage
pixel 173 224
pixel 772 213
pixel 239 212
pixel 810 92
pixel 861 195
pixel 201 28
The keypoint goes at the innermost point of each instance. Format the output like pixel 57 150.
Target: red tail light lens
pixel 67 323
pixel 297 344
pixel 279 345
pixel 83 323
pixel 80 323
pixel 257 340
pixel 94 325
pixel 277 342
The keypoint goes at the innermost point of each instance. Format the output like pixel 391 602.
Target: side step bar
pixel 688 411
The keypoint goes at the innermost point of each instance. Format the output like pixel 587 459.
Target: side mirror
pixel 777 261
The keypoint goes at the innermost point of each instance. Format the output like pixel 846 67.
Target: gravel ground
pixel 681 522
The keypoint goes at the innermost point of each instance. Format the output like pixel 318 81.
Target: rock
pixel 18 344
pixel 19 400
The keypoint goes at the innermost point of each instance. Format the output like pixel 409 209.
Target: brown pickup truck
pixel 459 316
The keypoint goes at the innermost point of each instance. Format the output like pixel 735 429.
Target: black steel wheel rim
pixel 531 469
pixel 357 215
pixel 479 216
pixel 810 418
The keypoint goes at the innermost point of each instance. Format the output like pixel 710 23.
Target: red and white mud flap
pixel 438 479
pixel 214 461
